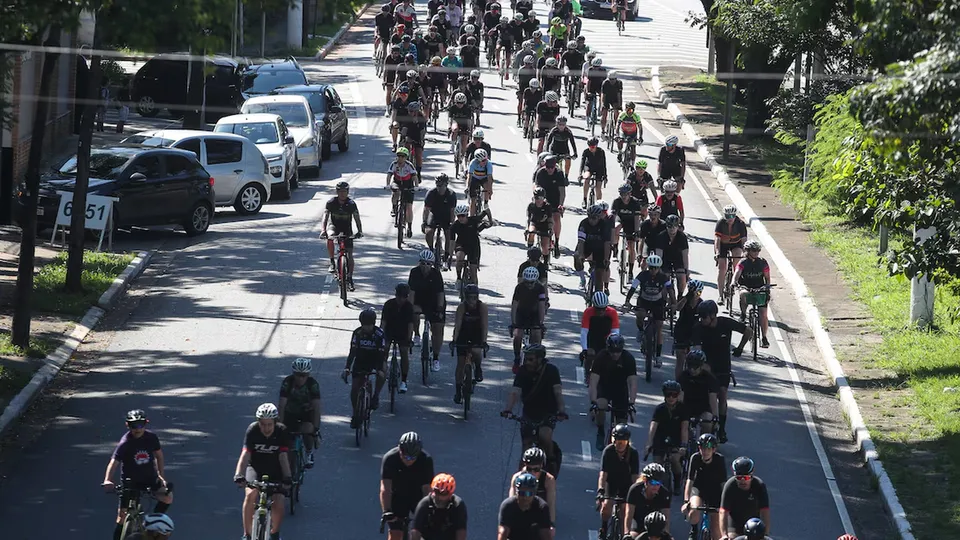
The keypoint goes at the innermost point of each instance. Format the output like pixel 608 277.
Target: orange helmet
pixel 847 537
pixel 444 483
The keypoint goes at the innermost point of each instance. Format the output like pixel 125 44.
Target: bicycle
pixel 379 54
pixel 404 523
pixel 425 353
pixel 467 382
pixel 458 164
pixel 623 267
pixel 393 381
pixel 648 344
pixel 341 258
pixel 439 252
pixel 298 466
pixel 703 530
pixel 756 297
pixel 262 516
pixel 573 94
pixel 615 525
pixel 400 212
pixel 529 128
pixel 435 109
pixel 621 24
pixel 726 295
pixel 610 127
pixel 629 157
pixel 592 117
pixel 133 522
pixel 630 412
pixel 551 466
pixel 363 407
pixel 587 180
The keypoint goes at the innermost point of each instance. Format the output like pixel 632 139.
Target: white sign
pixel 97 212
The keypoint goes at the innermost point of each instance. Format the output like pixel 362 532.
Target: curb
pixel 56 360
pixel 325 50
pixel 810 312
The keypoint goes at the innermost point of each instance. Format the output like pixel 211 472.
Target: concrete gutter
pixel 810 312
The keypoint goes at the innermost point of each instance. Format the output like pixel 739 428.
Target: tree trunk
pixel 78 217
pixel 769 70
pixel 20 330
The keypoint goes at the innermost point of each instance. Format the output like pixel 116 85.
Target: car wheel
pixel 295 179
pixel 281 191
pixel 199 219
pixel 320 158
pixel 344 145
pixel 147 107
pixel 325 149
pixel 250 199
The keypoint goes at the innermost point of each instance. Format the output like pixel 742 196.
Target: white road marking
pixel 320 310
pixel 512 130
pixel 311 345
pixel 587 453
pixel 328 280
pixel 593 534
pixel 573 316
pixel 580 375
pixel 529 157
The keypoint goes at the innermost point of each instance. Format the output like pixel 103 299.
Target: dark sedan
pixel 155 186
pixel 329 112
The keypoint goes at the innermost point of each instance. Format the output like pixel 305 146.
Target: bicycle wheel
pixel 367 410
pixel 755 326
pixel 650 349
pixel 623 270
pixel 425 353
pixel 131 524
pixel 361 414
pixel 394 378
pixel 342 274
pixel 591 194
pixel 401 220
pixel 467 388
pixel 261 528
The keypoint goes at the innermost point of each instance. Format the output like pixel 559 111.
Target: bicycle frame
pixel 393 382
pixel 363 408
pixel 615 525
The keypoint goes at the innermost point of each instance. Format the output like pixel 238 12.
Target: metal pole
pixel 728 106
pixel 263 31
pixel 711 52
pixel 240 25
pixel 233 32
pixel 884 237
pixel 921 288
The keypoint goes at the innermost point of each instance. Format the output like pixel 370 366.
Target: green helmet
pixel 641 164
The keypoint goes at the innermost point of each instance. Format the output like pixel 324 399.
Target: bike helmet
pixel 462 210
pixel 481 155
pixel 653 209
pixel 551 62
pixel 552 96
pixel 444 483
pixel 469 29
pixel 494 7
pixel 539 193
pixel 847 537
pixel 729 211
pixel 302 365
pixel 528 60
pixel 402 290
pixel 406 38
pixel 368 316
pixel 641 164
pixel 556 20
pixel 695 359
pixel 612 75
pixel 413 106
pixel 343 186
pixel 669 186
pixel 435 61
pixel 452 51
pixel 708 308
pixel 475 73
pixel 504 19
pixel 591 55
pixel 525 482
pixel 460 98
pixel 535 84
pixel 603 206
pixel 624 188
pixel 755 529
pixel 594 211
pixel 534 456
pixel 534 252
pixel 600 300
pixel 742 466
pixel 571 44
pixel 518 16
pixel 537 34
pixel 136 415
pixel 531 274
pixel 410 444
pixel 630 106
pixel 593 141
pixel 442 179
pixel 670 387
pixel 418 32
pixel 535 349
pixel 654 261
pixel 427 256
pixel 562 120
pixel 403 89
pixel 411 73
pixel 621 432
pixel 695 285
pixel 158 523
pixel 267 410
pixel 385 8
pixel 471 289
pixel 654 471
pixel 751 245
pixel 471 40
pixel 596 62
pixel 528 44
pixel 395 48
pixel 410 59
pixel 478 133
pixel 655 523
pixel 615 343
pixel 672 140
pixel 707 440
pixel 404 152
pixel 672 221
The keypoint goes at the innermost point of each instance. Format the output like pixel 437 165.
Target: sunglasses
pixel 408 458
pixel 654 483
pixel 525 493
pixel 671 394
pixel 729 216
pixel 744 477
pixel 136 425
pixel 707 445
pixel 534 469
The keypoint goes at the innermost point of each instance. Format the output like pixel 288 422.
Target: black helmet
pixel 708 308
pixel 615 343
pixel 535 349
pixel 471 289
pixel 385 8
pixel 593 141
pixel 707 440
pixel 621 432
pixel 368 316
pixel 402 290
pixel 539 192
pixel 442 179
pixel 653 209
pixel 136 415
pixel 655 523
pixel 670 387
pixel 343 186
pixel 525 481
pixel 755 529
pixel 672 220
pixel 654 471
pixel 410 444
pixel 534 456
pixel 742 466
pixel 534 252
pixel 695 359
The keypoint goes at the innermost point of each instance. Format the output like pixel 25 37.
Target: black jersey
pixel 471 324
pixel 593 234
pixel 460 112
pixel 649 231
pixel 540 215
pixel 531 98
pixel 367 350
pixel 467 235
pixel 627 212
pixel 547 114
pixel 595 161
pixel 265 451
pixel 341 213
pixel 551 182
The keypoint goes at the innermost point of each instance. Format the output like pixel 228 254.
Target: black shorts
pixel 527 319
pixel 294 421
pixel 611 102
pixel 617 491
pixel 630 233
pixel 477 185
pixel 401 342
pixel 696 409
pixel 131 487
pixel 543 129
pixel 365 365
pixel 597 256
pixel 255 475
pixel 526 430
pixel 348 231
pixel 657 309
pixel 617 400
pixel 472 253
pixel 710 497
pixel 406 191
pixel 432 314
pixel 723 379
pixel 543 229
pixel 682 336
pixel 673 266
pixel 439 222
pixel 725 249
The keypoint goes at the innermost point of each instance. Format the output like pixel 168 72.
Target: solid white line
pixel 580 375
pixel 512 130
pixel 587 454
pixel 593 534
pixel 320 310
pixel 311 345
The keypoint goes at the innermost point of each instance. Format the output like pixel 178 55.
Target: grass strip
pixel 99 271
pixel 12 380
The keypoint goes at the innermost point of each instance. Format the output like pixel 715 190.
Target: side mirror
pixel 138 177
pixel 336 109
pixel 289 140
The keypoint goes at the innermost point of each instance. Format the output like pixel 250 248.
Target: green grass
pixel 38 348
pixel 12 381
pixel 99 271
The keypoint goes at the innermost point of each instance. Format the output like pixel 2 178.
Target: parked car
pixel 162 84
pixel 601 8
pixel 270 134
pixel 328 111
pixel 155 186
pixel 261 79
pixel 299 118
pixel 243 179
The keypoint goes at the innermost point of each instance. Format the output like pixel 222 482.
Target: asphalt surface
pixel 215 333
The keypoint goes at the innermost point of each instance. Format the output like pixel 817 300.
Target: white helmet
pixel 528 59
pixel 538 34
pixel 604 206
pixel 596 62
pixel 669 185
pixel 612 75
pixel 654 261
pixel 267 410
pixel 751 245
pixel 481 154
pixel 552 62
pixel 600 300
pixel 427 255
pixel 302 365
pixel 571 44
pixel 527 44
pixel 591 55
pixel 469 29
pixel 478 133
pixel 672 140
pixel 531 274
pixel 459 98
pixel 475 73
pixel 462 210
pixel 159 523
pixel 534 84
pixel 552 96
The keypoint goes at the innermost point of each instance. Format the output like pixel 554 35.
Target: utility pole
pixel 711 52
pixel 728 106
pixel 921 288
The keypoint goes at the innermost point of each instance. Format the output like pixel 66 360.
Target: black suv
pixel 329 112
pixel 162 84
pixel 156 186
pixel 262 78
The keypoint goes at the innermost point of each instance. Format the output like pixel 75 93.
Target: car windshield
pixel 148 140
pixel 106 165
pixel 264 82
pixel 259 133
pixel 293 114
pixel 318 103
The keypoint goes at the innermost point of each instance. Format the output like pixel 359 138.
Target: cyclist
pixel 510 36
pixel 406 472
pixel 673 247
pixel 426 287
pixel 613 384
pixel 650 229
pixel 299 405
pixel 534 459
pixel 628 211
pixel 524 516
pixel 440 515
pixel 470 53
pixel 478 144
pixel 392 65
pixel 421 46
pixel 438 213
pixel 705 479
pixel 534 260
pixel 403 177
pixel 340 212
pixel 383 24
pixel 368 354
pixel 476 90
pixel 396 322
pixel 524 7
pixel 435 83
pixel 479 176
pixel 655 291
pixel 265 447
pixel 753 272
pixel 619 9
pixel 554 184
pixel 713 335
pixel 744 497
pixel 655 527
pixel 593 243
pixel 452 64
pixel 399 112
pixel 594 160
pixel 454 15
pixel 407 48
pixel 644 497
pixel 538 386
pixel 562 143
pixel 672 162
pixel 491 18
pixel 670 202
pixel 547 112
pixel 524 70
pixel 156 526
pixel 465 232
pixel 460 120
pixel 540 223
pixel 140 459
pixel 754 529
pixel 414 129
pixel 572 62
pixel 611 97
pixel 529 100
pixel 434 44
pixel 406 14
pixel 594 76
pixel 536 37
pixel 686 318
pixel 699 390
pixel 640 181
pixel 629 125
pixel 619 469
pixel 527 311
pixel 598 322
pixel 729 237
pixel 469 335
pixel 668 435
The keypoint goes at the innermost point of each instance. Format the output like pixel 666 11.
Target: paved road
pixel 214 335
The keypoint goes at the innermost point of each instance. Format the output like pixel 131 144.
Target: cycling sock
pixel 161 507
pixel 117 531
pixel 723 423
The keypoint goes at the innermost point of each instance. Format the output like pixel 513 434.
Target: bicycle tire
pixel 342 274
pixel 261 531
pixel 401 219
pixel 367 412
pixel 130 524
pixel 623 270
pixel 755 326
pixel 467 389
pixel 394 379
pixel 361 412
pixel 650 349
pixel 425 353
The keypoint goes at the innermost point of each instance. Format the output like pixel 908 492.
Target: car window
pixel 265 81
pixel 104 165
pixel 332 101
pixel 192 145
pixel 318 102
pixel 293 114
pixel 258 132
pixel 180 165
pixel 223 151
pixel 283 128
pixel 148 166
